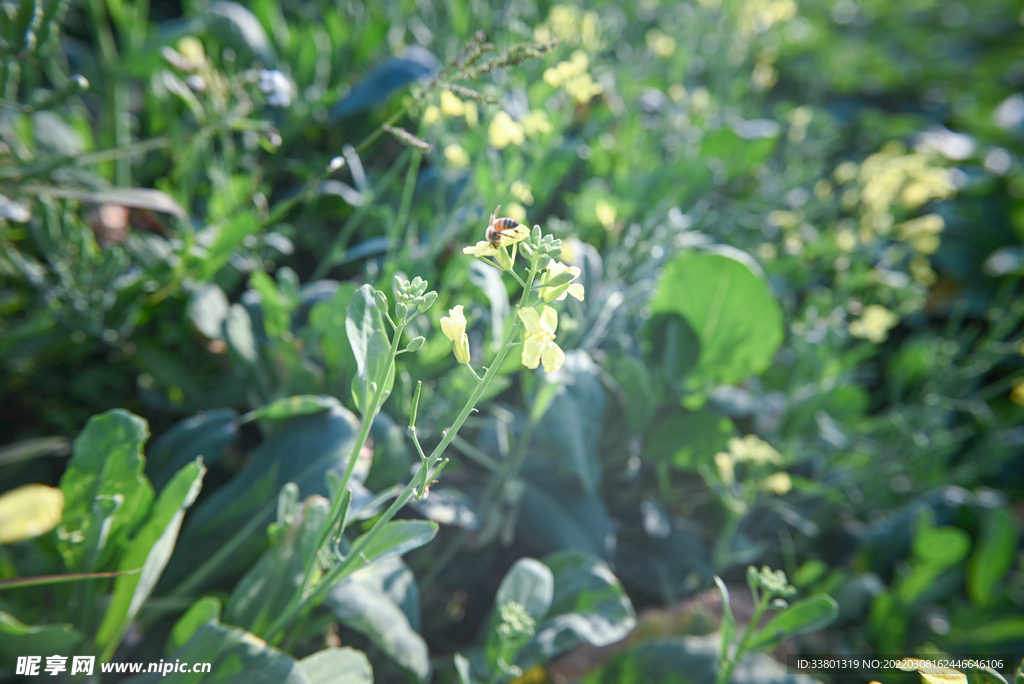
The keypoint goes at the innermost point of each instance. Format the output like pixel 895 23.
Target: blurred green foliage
pixel 800 230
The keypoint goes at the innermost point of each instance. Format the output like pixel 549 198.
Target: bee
pixel 498 228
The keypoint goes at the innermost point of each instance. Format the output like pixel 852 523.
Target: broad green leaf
pixel 940 547
pixel 397 538
pixel 689 439
pixel 569 433
pixel 809 615
pixel 462 668
pixel 276 312
pixel 337 666
pixel 588 606
pixel 206 609
pixel 530 584
pixel 637 398
pixel 205 434
pixel 993 555
pixel 19 639
pixel 207 308
pixel 556 514
pixel 106 495
pixel 265 590
pixel 238 28
pixel 1010 629
pixel 150 550
pixel 288 407
pixel 740 150
pixel 381 601
pixel 726 301
pixel 236 657
pixel 728 628
pixel 371 348
pixel 301 450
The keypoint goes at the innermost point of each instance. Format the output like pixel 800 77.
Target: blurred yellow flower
pixel 677 92
pixel 660 44
pixel 29 511
pixel 503 131
pixel 472 113
pixel 518 212
pixel 753 449
pixel 846 240
pixel 431 115
pixel 1017 393
pixel 557 292
pixel 451 105
pixel 538 339
pixel 454 328
pixel 778 483
pixel 522 192
pixel 874 323
pixel 726 468
pixel 606 214
pixel 922 233
pixel 536 122
pixel 456 156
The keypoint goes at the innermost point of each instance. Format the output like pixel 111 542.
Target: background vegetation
pixel 799 227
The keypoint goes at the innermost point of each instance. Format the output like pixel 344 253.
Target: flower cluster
pixel 573 76
pixel 552 281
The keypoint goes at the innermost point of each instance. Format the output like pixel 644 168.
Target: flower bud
pixel 401 309
pixel 415 344
pixel 428 301
pixel 381 300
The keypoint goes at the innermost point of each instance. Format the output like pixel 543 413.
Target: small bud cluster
pixel 411 299
pixel 773 582
pixel 406 138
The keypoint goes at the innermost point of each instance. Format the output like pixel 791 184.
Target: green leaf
pixel 230 237
pixel 397 538
pixel 689 439
pixel 206 609
pixel 106 495
pixel 985 676
pixel 236 657
pixel 205 434
pixel 328 319
pixel 809 615
pixel 462 668
pixel 137 198
pixel 276 312
pixel 207 308
pixel 993 556
pixel 370 346
pixel 238 332
pixel 588 606
pixel 239 29
pixel 738 153
pixel 569 434
pixel 289 407
pixel 726 301
pixel 337 666
pixel 556 514
pixel 300 450
pixel 18 639
pixel 265 590
pixel 381 601
pixel 150 550
pixel 998 631
pixel 728 628
pixel 529 583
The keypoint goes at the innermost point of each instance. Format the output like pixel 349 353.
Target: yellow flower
pixel 726 468
pixel 518 212
pixel 1017 393
pixel 503 131
pixel 606 214
pixel 454 328
pixel 556 269
pixel 874 324
pixel 456 156
pixel 472 113
pixel 779 483
pixel 522 192
pixel 754 450
pixel 660 44
pixel 536 122
pixel 451 105
pixel 539 339
pixel 29 511
pixel 431 115
pixel 484 249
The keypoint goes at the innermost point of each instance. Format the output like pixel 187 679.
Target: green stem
pixel 297 607
pixel 761 604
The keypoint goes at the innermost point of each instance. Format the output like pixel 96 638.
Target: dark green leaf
pixel 370 346
pixel 397 538
pixel 289 407
pixel 396 72
pixel 530 584
pixel 208 308
pixel 205 434
pixel 993 555
pixel 556 514
pixel 19 639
